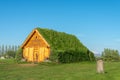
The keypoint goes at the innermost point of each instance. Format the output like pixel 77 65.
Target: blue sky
pixel 95 22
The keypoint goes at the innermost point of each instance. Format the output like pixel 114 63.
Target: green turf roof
pixel 60 40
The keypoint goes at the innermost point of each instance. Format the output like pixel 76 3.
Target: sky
pixel 96 23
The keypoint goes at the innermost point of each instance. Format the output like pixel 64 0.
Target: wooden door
pixel 35 54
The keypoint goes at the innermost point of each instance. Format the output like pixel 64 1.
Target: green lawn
pixel 52 71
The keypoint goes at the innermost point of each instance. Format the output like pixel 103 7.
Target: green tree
pixel 6 48
pixel 19 55
pixel 13 48
pixel 9 47
pixel 16 48
pixel 11 54
pixel 0 50
pixel 110 54
pixel 3 50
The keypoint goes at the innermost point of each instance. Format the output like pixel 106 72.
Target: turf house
pixel 41 43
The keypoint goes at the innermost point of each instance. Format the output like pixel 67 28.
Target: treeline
pixel 110 55
pixel 8 50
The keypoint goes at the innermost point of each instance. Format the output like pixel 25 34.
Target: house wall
pixel 36 50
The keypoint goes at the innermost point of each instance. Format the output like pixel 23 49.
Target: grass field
pixel 53 71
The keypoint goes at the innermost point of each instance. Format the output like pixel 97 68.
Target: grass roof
pixel 61 40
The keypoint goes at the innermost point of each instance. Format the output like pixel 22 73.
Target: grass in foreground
pixel 53 71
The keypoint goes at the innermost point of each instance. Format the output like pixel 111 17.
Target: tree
pixel 13 48
pixel 0 50
pixel 16 48
pixel 6 48
pixel 3 50
pixel 19 55
pixel 11 54
pixel 9 47
pixel 110 55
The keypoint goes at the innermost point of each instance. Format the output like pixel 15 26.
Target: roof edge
pixel 29 36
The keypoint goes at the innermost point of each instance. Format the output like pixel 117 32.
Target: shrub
pixel 91 56
pixel 54 55
pixel 19 56
pixel 7 61
pixel 70 56
pixel 11 54
pixel 110 55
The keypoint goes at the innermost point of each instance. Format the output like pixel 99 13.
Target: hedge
pixel 70 56
pixel 19 56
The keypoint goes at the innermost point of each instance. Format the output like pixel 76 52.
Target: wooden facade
pixel 35 47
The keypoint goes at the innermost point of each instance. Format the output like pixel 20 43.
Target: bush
pixel 110 55
pixel 70 56
pixel 91 56
pixel 7 61
pixel 19 55
pixel 11 54
pixel 54 55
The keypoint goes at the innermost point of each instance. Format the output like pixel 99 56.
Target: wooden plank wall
pixel 36 50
